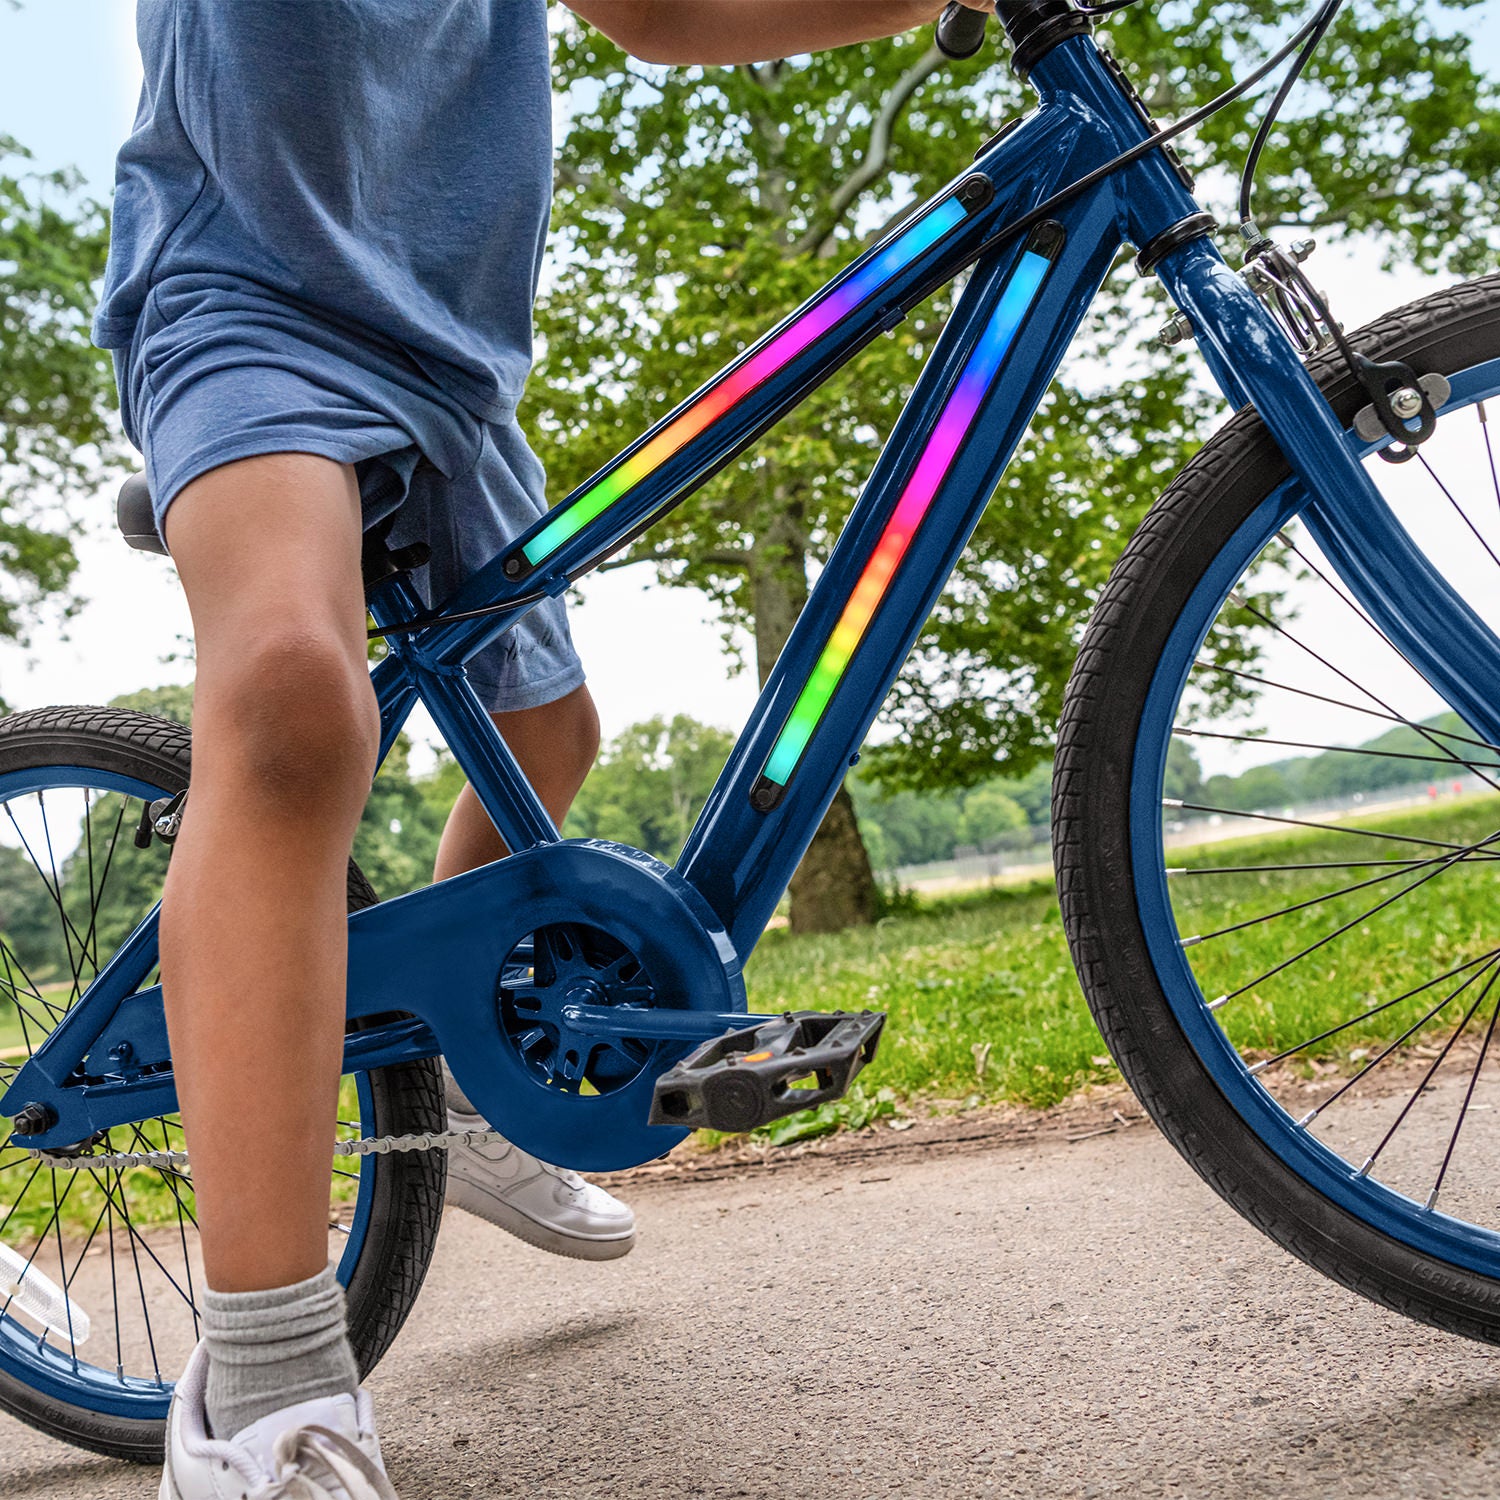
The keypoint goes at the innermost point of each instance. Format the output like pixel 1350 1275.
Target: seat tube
pixel 1389 576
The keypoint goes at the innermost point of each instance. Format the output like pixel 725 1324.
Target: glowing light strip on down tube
pixel 931 469
pixel 823 315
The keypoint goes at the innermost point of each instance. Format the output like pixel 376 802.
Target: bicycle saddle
pixel 136 521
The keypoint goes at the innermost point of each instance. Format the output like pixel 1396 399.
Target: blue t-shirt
pixel 384 165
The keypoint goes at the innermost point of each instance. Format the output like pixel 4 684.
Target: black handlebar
pixel 960 30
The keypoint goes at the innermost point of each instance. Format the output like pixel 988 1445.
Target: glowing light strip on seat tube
pixel 931 469
pixel 822 316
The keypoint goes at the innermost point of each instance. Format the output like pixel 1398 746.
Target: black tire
pixel 1148 591
pixel 407 1196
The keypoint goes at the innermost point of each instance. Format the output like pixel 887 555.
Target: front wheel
pixel 99 1267
pixel 1274 842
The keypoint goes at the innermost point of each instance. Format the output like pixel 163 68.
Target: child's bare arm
pixel 740 31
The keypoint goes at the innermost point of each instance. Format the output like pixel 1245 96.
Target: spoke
pixel 1322 864
pixel 1405 1037
pixel 1463 514
pixel 56 889
pixel 41 1239
pixel 1463 1109
pixel 1368 833
pixel 1322 942
pixel 16 1202
pixel 1417 1092
pixel 1484 427
pixel 1374 1010
pixel 36 864
pixel 95 892
pixel 1354 708
pixel 114 1289
pixel 1445 860
pixel 1380 635
pixel 138 1239
pixel 131 1238
pixel 33 990
pixel 1359 687
pixel 1256 739
pixel 62 1266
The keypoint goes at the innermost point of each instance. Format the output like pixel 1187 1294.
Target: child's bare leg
pixel 253 935
pixel 555 746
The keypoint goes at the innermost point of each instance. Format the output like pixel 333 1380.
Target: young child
pixel 328 227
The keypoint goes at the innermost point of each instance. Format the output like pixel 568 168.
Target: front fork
pixel 1390 578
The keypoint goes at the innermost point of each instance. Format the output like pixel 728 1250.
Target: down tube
pixel 924 497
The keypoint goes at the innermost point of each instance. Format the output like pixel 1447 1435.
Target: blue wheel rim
pixel 43 1367
pixel 1429 1232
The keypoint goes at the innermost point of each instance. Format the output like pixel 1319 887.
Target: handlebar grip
pixel 960 30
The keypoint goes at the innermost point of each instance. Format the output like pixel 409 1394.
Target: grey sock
pixel 269 1350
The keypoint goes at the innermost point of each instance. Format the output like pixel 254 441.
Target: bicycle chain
pixel 378 1145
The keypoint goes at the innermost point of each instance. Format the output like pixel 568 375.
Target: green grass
pixel 986 970
pixel 984 1006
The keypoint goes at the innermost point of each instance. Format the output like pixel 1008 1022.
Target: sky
pixel 71 80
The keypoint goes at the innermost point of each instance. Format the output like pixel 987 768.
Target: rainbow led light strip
pixel 932 467
pixel 739 382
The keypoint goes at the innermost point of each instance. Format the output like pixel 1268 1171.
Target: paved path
pixel 1040 1320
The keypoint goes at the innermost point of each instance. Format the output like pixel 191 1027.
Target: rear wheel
pixel 106 1259
pixel 1297 967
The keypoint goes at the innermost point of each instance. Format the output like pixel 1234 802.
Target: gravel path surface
pixel 1036 1320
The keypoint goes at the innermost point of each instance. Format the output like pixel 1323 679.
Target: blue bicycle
pixel 590 999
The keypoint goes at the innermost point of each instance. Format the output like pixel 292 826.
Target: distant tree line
pixel 649 786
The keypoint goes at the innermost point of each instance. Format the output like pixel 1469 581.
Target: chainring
pixel 594 922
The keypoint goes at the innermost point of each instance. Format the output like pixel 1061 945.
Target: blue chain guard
pixel 439 954
pixel 641 903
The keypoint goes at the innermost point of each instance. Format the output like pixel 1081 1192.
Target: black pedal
pixel 748 1078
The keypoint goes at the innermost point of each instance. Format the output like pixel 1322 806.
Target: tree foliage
pixel 57 441
pixel 701 204
pixel 650 784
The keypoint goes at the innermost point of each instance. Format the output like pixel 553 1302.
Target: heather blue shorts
pixel 220 370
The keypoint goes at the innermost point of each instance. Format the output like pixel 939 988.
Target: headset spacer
pixel 1195 226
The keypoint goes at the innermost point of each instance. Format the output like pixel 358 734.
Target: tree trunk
pixel 834 886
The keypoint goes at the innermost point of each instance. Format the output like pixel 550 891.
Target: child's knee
pixel 294 717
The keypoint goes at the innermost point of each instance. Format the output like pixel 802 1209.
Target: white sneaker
pixel 548 1207
pixel 316 1450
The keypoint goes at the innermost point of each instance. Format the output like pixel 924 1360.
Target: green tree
pixel 702 203
pixel 171 701
pixel 650 784
pixel 57 441
pixel 397 840
pixel 1184 778
pixel 992 818
pixel 915 827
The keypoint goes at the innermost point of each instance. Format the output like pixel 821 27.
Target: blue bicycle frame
pixel 433 956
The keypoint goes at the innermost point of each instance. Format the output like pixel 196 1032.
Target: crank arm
pixel 641 1024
